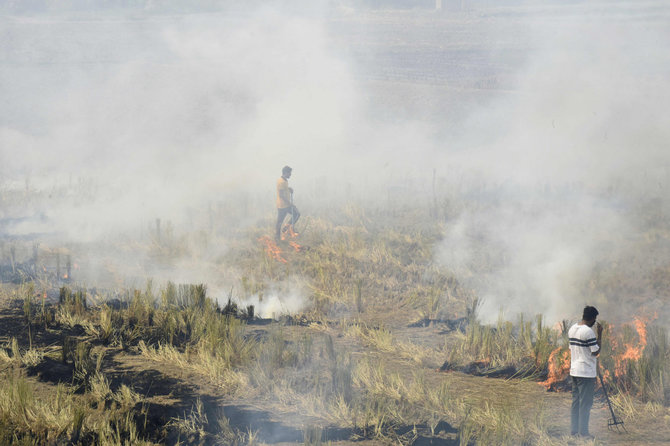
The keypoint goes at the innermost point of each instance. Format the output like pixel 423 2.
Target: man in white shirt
pixel 584 349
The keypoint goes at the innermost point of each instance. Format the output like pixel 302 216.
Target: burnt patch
pixel 448 325
pixel 485 369
pixel 435 441
pixel 301 321
pixel 564 385
pixel 269 431
pixel 50 370
pixel 13 324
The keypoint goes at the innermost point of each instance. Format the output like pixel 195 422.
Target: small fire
pixel 606 376
pixel 632 353
pixel 288 231
pixel 272 249
pixel 617 361
pixel 291 233
pixel 295 246
pixel 559 366
pixel 624 355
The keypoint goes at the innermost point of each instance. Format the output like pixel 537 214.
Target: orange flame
pixel 632 353
pixel 272 249
pixel 288 231
pixel 623 354
pixel 606 376
pixel 559 366
pixel 295 246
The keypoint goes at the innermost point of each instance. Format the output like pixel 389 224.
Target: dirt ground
pixel 171 391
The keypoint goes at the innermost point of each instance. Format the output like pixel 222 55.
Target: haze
pixel 541 131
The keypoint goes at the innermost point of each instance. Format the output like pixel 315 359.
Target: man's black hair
pixel 285 170
pixel 590 313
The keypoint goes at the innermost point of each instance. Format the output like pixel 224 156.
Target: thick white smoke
pixel 549 127
pixel 568 159
pixel 166 114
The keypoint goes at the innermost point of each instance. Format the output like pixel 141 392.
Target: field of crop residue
pixel 385 348
pixel 468 180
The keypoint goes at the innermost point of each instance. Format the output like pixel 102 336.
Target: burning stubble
pixel 438 159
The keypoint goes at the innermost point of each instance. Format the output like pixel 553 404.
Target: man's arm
pixel 283 191
pixel 599 330
pixel 285 195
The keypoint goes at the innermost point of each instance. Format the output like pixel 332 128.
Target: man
pixel 285 203
pixel 584 348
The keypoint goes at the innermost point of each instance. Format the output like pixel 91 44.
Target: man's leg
pixel 574 412
pixel 288 230
pixel 585 403
pixel 295 215
pixel 281 214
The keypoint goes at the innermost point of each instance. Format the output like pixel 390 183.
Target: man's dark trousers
pixel 281 215
pixel 582 400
